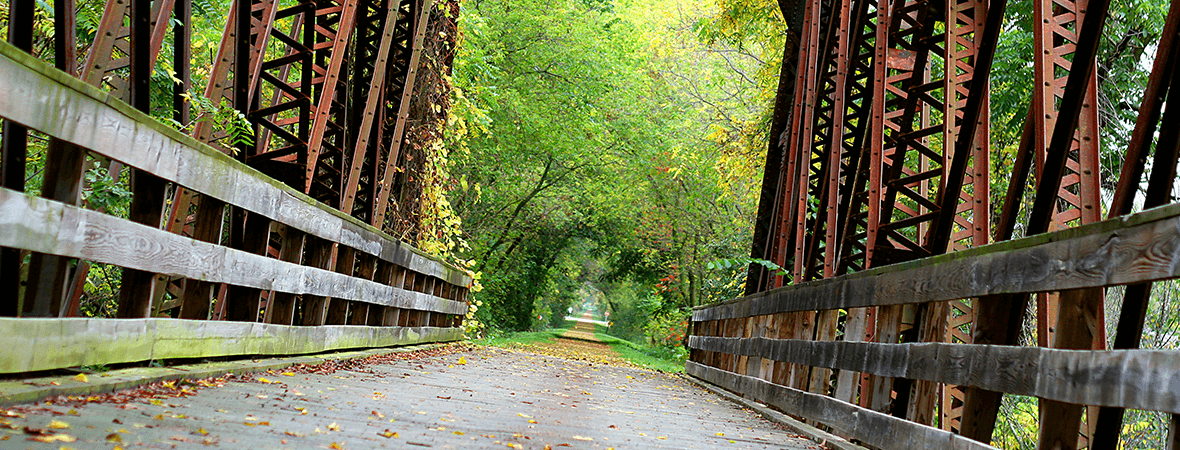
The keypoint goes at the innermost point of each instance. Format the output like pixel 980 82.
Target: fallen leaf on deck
pixel 82 378
pixel 388 434
pixel 54 438
pixel 58 425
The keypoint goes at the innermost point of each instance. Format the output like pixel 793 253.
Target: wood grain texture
pixel 73 342
pixel 845 419
pixel 51 227
pixel 40 97
pixel 1137 379
pixel 1130 249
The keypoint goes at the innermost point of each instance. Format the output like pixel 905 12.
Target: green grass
pixel 661 359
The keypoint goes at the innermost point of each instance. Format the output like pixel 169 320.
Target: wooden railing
pixel 389 292
pixel 762 346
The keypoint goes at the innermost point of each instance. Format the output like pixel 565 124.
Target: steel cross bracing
pixel 324 100
pixel 869 153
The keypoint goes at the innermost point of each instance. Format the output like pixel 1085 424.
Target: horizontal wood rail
pixel 75 341
pixel 50 227
pixel 870 427
pixel 42 98
pixel 1130 249
pixel 1133 379
pixel 336 283
pixel 762 346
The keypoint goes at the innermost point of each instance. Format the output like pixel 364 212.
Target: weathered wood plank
pixel 1131 249
pixel 40 97
pixel 73 342
pixel 51 227
pixel 847 420
pixel 210 217
pixel 1136 379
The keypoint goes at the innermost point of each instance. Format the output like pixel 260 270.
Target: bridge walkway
pixel 466 398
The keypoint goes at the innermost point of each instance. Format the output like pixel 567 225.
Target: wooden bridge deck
pixel 498 399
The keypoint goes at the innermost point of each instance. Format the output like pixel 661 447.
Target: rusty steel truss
pixel 325 86
pixel 879 153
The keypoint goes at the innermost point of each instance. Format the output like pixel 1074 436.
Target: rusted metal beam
pixel 147 203
pixel 1164 79
pixel 370 112
pixel 397 136
pixel 13 145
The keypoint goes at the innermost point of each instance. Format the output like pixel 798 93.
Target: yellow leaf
pixel 463 360
pixel 388 434
pixel 55 438
pixel 58 425
pixel 158 417
pixel 333 427
pixel 264 380
pixel 720 433
pixel 514 445
pixel 202 432
pixel 114 438
pixel 288 374
pixel 532 421
pixel 335 446
pixel 583 438
pixel 524 415
pixel 82 378
pixel 460 433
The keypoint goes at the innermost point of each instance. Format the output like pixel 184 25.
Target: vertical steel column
pixel 1109 420
pixel 801 144
pixel 826 321
pixel 46 287
pixel 970 47
pixel 1078 197
pixel 13 145
pixel 366 149
pixel 397 136
pixel 147 204
pixel 757 277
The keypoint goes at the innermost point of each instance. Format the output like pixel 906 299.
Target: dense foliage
pixel 599 163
